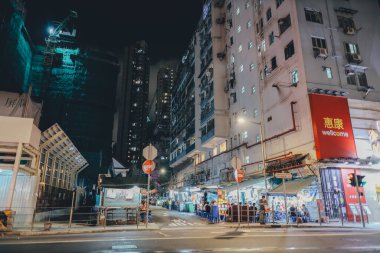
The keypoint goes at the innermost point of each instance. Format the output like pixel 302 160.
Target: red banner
pixel 332 127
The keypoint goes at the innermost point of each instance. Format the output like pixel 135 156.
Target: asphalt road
pixel 183 232
pixel 207 239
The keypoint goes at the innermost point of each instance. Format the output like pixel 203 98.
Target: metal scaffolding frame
pixel 66 160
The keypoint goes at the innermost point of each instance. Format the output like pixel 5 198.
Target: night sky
pixel 167 25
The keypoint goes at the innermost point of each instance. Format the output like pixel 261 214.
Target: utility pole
pixel 360 202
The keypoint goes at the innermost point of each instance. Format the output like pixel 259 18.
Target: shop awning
pixel 292 187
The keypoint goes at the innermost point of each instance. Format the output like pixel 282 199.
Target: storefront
pixel 298 192
pixel 346 135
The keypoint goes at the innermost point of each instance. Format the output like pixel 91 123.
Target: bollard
pixel 72 209
pixel 33 219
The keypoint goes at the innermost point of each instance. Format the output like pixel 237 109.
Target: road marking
pixel 188 237
pixel 124 247
pixel 163 234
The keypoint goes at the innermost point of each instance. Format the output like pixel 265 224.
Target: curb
pixel 292 226
pixel 36 233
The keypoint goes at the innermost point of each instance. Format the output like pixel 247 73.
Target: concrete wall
pixel 366 20
pixel 14 129
pixel 24 200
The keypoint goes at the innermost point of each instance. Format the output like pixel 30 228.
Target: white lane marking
pixel 189 237
pixel 124 247
pixel 163 234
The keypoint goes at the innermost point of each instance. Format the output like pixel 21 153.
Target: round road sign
pixel 148 166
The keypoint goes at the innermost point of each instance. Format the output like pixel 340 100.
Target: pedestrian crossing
pixel 182 223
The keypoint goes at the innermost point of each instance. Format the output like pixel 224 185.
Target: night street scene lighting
pixel 210 126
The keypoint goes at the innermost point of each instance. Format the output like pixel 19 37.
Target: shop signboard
pixel 238 172
pixel 284 175
pixel 332 127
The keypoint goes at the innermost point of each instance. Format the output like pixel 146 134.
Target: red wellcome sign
pixel 332 127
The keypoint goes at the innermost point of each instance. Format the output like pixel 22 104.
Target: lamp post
pixel 242 120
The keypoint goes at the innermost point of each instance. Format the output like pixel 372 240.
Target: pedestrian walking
pixel 263 203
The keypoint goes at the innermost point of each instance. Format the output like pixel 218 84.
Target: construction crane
pixel 57 32
pixel 57 35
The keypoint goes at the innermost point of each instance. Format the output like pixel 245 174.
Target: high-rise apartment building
pixel 165 80
pixel 301 82
pixel 133 103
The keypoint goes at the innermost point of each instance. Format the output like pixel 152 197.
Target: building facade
pixel 77 88
pixel 16 47
pixel 165 81
pixel 288 66
pixel 132 104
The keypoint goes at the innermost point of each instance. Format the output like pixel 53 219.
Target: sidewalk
pixel 374 225
pixel 59 228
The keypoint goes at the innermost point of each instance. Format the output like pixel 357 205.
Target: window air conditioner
pixel 322 52
pixel 220 20
pixel 356 57
pixel 349 30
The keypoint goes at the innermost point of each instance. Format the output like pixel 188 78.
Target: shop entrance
pixel 333 193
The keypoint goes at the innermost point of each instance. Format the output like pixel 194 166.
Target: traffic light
pixel 361 183
pixel 351 179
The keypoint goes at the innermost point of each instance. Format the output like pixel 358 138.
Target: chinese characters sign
pixel 332 127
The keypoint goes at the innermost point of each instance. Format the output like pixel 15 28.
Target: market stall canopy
pixel 292 187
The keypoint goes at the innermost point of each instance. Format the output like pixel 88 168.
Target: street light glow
pixel 50 29
pixel 241 120
pixel 162 171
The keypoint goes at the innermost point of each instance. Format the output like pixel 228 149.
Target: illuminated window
pixel 263 45
pixel 294 76
pixel 247 4
pixel 255 113
pixel 246 159
pixel 215 151
pixel 223 147
pixel 257 138
pixel 240 48
pixel 242 89
pixel 244 135
pixel 239 29
pixel 249 24
pixel 241 68
pixel 253 89
pixel 250 45
pixel 237 11
pixel 328 72
pixel 251 66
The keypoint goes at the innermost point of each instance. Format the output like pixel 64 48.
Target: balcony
pixel 190 148
pixel 208 136
pixel 207 113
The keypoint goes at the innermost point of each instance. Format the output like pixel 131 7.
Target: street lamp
pixel 242 120
pixel 162 171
